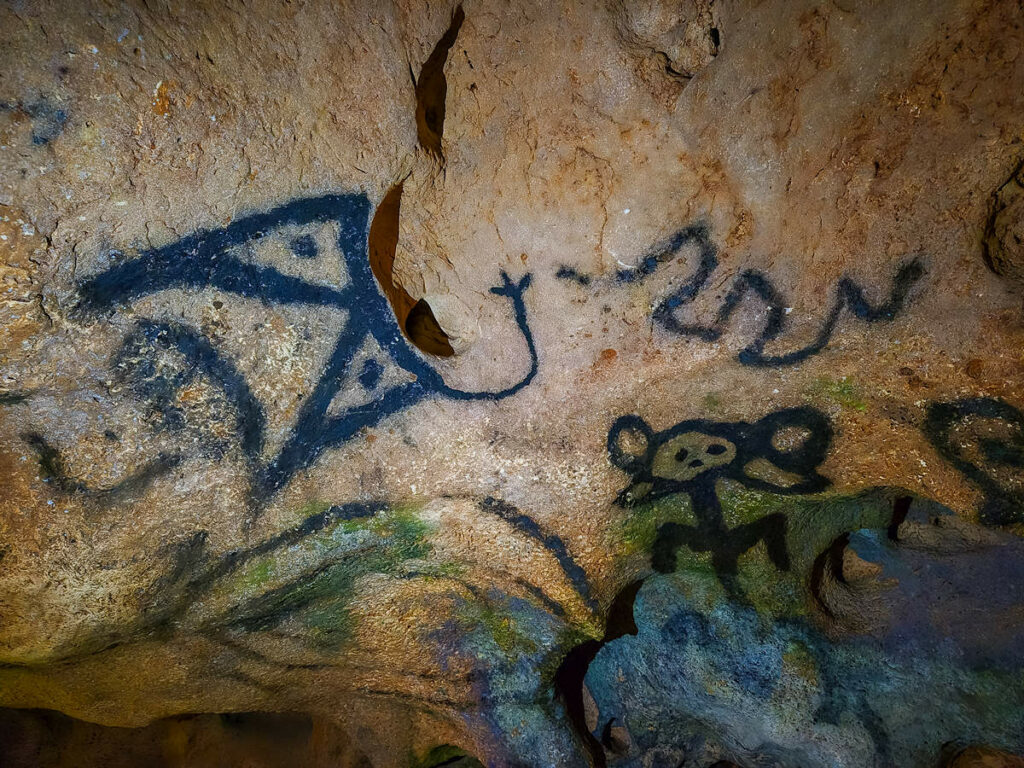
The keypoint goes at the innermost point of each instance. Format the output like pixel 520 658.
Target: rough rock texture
pixel 366 361
pixel 1004 240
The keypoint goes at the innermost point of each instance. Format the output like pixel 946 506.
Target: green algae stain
pixel 639 529
pixel 329 623
pixel 447 755
pixel 314 581
pixel 798 661
pixel 812 523
pixel 501 627
pixel 741 504
pixel 259 574
pixel 712 402
pixel 843 392
pixel 311 508
pixel 406 533
pixel 770 591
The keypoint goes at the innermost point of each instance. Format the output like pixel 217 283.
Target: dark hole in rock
pixel 448 756
pixel 569 687
pixel 573 669
pixel 425 332
pixel 37 738
pixel 432 89
pixel 620 621
pixel 415 318
pixel 900 510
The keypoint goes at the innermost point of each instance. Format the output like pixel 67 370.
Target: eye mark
pixel 716 448
pixel 369 377
pixel 304 247
pixel 682 454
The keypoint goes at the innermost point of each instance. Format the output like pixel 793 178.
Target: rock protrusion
pixel 1004 235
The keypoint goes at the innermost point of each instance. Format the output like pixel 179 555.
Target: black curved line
pixel 53 471
pixel 205 359
pixel 514 292
pixel 848 295
pixel 632 463
pixel 550 541
pixel 13 398
pixel 200 260
pixel 1001 507
pixel 231 561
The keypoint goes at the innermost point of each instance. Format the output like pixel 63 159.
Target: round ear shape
pixel 631 444
pixel 942 418
pixel 794 439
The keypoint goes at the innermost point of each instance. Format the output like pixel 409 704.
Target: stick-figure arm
pixel 514 292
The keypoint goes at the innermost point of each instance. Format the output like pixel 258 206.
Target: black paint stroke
pixel 751 442
pixel 550 604
pixel 137 367
pixel 13 398
pixel 315 523
pixel 849 296
pixel 573 275
pixel 192 573
pixel 1002 506
pixel 205 260
pixel 53 471
pixel 550 541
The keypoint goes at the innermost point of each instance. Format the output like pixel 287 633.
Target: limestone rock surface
pixel 593 383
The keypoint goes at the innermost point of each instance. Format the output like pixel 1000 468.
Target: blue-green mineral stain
pixel 447 755
pixel 708 679
pixel 514 646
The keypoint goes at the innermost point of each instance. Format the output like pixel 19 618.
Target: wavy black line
pixel 848 296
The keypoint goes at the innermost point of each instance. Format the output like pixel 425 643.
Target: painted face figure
pixel 780 453
pixel 256 346
pixel 305 258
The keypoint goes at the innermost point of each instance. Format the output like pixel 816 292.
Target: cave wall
pixel 611 383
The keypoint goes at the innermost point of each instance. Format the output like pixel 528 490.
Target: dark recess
pixel 573 669
pixel 414 317
pixel 432 89
pixel 900 510
pixel 38 738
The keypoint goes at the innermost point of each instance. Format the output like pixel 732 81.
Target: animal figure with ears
pixel 692 456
